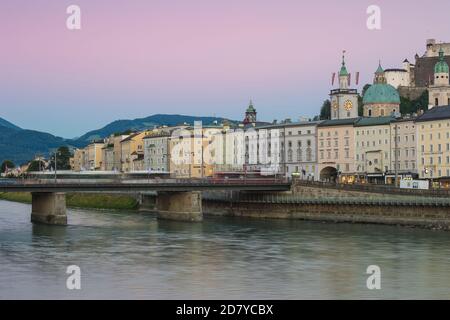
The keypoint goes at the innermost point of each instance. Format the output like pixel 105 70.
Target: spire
pixel 441 54
pixel 380 68
pixel 379 75
pixel 250 114
pixel 343 71
pixel 250 107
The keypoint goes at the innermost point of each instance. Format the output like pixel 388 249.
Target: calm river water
pixel 134 256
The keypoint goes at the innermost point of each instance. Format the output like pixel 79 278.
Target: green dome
pixel 381 93
pixel 441 66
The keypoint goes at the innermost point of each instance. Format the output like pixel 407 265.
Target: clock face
pixel 348 105
pixel 335 105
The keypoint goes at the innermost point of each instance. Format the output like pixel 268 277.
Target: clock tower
pixel 344 101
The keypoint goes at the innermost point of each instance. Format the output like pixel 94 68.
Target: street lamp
pixel 56 160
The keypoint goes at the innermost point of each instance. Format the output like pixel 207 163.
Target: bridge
pixel 177 199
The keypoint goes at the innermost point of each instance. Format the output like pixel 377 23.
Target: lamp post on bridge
pixel 56 160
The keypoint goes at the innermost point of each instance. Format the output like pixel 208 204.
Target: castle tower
pixel 344 101
pixel 250 114
pixel 439 92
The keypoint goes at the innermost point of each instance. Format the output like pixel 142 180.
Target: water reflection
pixel 130 255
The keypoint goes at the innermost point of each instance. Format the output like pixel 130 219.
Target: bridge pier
pixel 49 208
pixel 180 206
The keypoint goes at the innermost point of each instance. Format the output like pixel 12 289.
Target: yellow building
pixel 192 154
pixel 132 147
pixel 93 156
pixel 433 135
pixel 336 150
pixel 78 160
pixel 373 149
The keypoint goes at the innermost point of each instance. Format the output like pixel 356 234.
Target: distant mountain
pixel 7 124
pixel 143 123
pixel 20 146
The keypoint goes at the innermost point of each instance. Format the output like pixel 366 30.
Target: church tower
pixel 250 114
pixel 439 92
pixel 344 101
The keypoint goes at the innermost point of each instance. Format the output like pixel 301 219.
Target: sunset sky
pixel 135 58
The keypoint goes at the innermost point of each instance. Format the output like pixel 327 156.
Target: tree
pixel 413 106
pixel 7 164
pixel 36 165
pixel 360 100
pixel 325 111
pixel 63 156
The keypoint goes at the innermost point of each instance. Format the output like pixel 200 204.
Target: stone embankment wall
pixel 429 216
pixel 320 203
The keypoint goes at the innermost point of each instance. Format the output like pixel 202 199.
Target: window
pixel 290 155
pixel 300 156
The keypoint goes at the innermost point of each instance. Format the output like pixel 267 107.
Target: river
pixel 128 255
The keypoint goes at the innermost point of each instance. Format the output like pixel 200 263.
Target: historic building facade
pixel 433 133
pixel 300 149
pixel 373 148
pixel 336 150
pixel 403 149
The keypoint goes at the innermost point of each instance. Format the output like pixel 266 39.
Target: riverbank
pixel 83 200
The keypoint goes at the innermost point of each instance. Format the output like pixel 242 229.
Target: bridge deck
pixel 175 185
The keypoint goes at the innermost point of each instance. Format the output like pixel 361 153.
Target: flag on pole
pixel 357 78
pixel 333 77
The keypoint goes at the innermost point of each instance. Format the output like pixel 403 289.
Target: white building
pixel 300 148
pixel 156 151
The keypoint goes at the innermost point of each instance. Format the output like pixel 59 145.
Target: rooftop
pixel 436 113
pixel 374 121
pixel 339 122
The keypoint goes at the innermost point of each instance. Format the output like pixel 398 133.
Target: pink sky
pixel 137 58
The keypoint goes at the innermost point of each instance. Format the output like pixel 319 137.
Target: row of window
pixel 431 160
pixel 439 148
pixel 430 136
pixel 336 155
pixel 299 132
pixel 335 133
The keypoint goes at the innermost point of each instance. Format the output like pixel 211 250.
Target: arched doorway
pixel 328 174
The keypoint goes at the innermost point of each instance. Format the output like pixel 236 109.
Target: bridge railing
pixel 169 181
